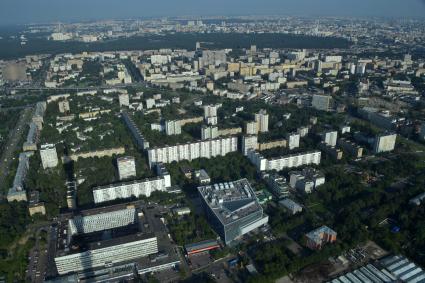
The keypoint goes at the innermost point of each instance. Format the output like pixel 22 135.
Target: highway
pixel 14 143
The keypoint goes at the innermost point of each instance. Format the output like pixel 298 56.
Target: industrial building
pixel 232 209
pixel 200 247
pixel 393 268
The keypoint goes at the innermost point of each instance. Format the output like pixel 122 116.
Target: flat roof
pixel 230 201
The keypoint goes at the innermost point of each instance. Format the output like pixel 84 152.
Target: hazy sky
pixel 25 11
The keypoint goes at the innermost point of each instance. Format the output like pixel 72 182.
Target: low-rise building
pixel 291 206
pixel 317 238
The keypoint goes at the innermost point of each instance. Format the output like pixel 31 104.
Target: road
pixel 14 142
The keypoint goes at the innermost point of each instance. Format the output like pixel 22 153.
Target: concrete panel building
pixel 126 167
pixel 49 156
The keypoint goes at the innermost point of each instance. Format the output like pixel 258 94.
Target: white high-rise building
pixel 384 143
pixel 330 138
pixel 63 106
pixel 251 128
pixel 280 163
pixel 321 102
pixel 124 99
pixel 293 140
pixel 262 119
pixel 210 111
pixel 126 167
pixel 209 132
pixel 249 143
pixel 211 120
pixel 150 103
pixel 189 151
pixel 173 128
pixel 49 156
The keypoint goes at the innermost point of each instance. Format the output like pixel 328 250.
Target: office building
pixel 384 143
pixel 293 140
pixel 251 128
pixel 232 209
pixel 306 180
pixel 317 238
pixel 102 238
pixel 63 106
pixel 321 102
pixel 262 119
pixel 105 220
pixel 189 151
pixel 172 128
pixel 209 132
pixel 126 167
pixel 124 99
pixel 330 138
pixel 202 176
pixel 130 189
pixel 280 163
pixel 17 191
pixel 249 143
pixel 277 185
pixel 49 156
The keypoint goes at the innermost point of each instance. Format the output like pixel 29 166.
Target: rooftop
pixel 230 201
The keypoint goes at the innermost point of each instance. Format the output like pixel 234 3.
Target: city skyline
pixel 25 11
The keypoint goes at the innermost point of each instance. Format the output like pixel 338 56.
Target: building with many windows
pixel 262 119
pixel 280 163
pixel 17 191
pixel 384 143
pixel 102 238
pixel 130 189
pixel 172 127
pixel 189 151
pixel 126 167
pixel 49 156
pixel 209 132
pixel 232 209
pixel 317 238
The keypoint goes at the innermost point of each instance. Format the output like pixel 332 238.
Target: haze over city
pixel 27 11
